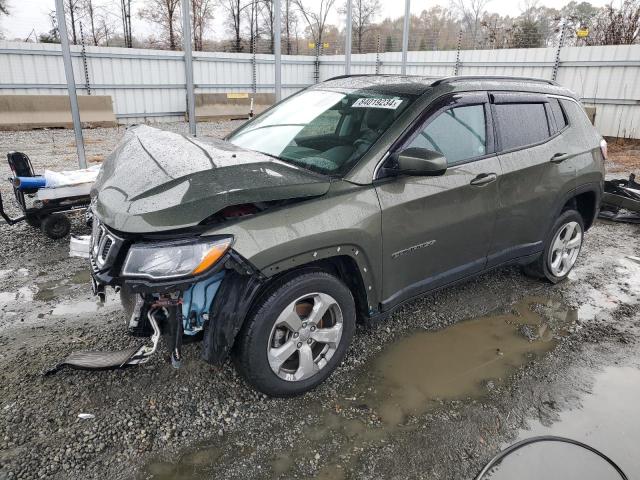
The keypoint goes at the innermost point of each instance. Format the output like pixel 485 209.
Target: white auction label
pixel 390 103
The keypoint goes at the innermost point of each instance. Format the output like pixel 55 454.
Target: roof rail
pixel 337 77
pixel 491 77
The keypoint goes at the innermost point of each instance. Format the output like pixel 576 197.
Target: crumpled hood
pixel 157 180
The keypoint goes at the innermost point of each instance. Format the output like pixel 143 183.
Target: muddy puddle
pixel 85 306
pixel 464 360
pixel 53 289
pixel 60 294
pixel 191 465
pixel 412 376
pixel 21 295
pixel 606 419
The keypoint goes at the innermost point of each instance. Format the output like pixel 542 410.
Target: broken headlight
pixel 165 260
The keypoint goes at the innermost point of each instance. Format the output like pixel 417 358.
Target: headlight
pixel 174 259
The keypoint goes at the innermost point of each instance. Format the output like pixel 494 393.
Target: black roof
pixel 384 84
pixel 419 84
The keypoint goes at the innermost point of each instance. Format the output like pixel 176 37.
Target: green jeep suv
pixel 337 205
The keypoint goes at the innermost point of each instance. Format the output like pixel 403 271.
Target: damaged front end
pixel 155 197
pixel 170 288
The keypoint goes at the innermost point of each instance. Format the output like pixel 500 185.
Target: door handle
pixel 484 179
pixel 559 157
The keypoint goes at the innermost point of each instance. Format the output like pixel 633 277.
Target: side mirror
pixel 421 161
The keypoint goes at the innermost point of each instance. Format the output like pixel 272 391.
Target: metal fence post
pixel 556 64
pixel 347 41
pixel 405 35
pixel 316 65
pixel 378 55
pixel 277 50
pixel 188 66
pixel 71 82
pixel 456 69
pixel 254 66
pixel 87 83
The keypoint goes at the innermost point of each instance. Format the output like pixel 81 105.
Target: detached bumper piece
pixel 621 201
pixel 113 360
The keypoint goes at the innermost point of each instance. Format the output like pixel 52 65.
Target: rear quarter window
pixel 521 124
pixel 576 114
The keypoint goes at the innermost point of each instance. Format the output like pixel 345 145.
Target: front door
pixel 438 229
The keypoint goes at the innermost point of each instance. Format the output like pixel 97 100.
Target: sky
pixel 27 15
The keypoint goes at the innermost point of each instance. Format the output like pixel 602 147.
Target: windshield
pixel 321 130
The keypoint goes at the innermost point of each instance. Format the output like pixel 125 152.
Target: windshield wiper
pixel 271 155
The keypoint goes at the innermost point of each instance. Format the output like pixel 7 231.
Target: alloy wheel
pixel 305 336
pixel 565 248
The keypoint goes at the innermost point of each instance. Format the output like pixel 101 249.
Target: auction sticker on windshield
pixel 390 103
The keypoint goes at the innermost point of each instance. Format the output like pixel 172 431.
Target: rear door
pixel 438 229
pixel 536 170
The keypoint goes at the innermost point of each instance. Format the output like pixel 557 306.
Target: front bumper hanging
pixel 136 355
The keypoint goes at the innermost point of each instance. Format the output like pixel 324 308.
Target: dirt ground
pixel 624 156
pixel 433 392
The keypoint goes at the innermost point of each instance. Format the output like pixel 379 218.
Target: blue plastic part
pixel 196 303
pixel 25 183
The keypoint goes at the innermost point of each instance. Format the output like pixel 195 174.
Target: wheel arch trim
pixel 315 256
pixel 593 187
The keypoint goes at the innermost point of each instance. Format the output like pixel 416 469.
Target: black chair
pixel 20 165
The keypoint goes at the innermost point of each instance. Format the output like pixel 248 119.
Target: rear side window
pixel 558 114
pixel 458 133
pixel 521 124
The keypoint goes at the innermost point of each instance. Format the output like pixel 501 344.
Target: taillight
pixel 603 148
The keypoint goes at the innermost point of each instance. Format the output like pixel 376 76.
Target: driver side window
pixel 459 133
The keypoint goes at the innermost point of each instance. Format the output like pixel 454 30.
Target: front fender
pixel 345 221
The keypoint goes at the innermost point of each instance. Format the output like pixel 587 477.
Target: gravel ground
pixel 199 422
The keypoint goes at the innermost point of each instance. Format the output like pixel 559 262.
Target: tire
pixel 285 359
pixel 33 222
pixel 56 226
pixel 570 225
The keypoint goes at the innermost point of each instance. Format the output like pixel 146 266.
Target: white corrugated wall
pixel 149 84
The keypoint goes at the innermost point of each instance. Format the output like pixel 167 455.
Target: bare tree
pixel 250 14
pixel 71 8
pixel 91 13
pixel 290 26
pixel 201 15
pixel 527 10
pixel 364 11
pixel 53 35
pixel 234 9
pixel 616 26
pixel 106 28
pixel 471 12
pixel 4 10
pixel 268 17
pixel 315 18
pixel 163 13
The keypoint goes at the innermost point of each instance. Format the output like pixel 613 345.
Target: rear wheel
pixel 56 226
pixel 296 335
pixel 562 247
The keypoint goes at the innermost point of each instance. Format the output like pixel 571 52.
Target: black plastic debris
pixel 621 200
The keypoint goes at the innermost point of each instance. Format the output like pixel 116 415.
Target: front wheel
pixel 562 247
pixel 296 335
